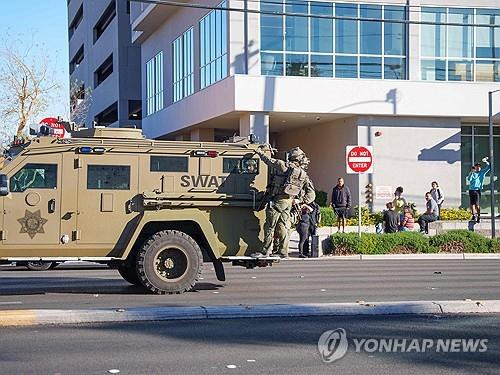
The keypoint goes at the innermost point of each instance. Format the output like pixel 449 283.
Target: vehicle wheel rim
pixel 170 264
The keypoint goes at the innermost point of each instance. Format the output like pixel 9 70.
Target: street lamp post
pixel 492 162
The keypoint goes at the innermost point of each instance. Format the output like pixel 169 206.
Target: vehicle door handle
pixel 52 206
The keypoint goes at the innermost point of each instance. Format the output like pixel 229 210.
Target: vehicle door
pixel 107 199
pixel 32 210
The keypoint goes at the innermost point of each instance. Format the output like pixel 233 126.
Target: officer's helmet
pixel 296 154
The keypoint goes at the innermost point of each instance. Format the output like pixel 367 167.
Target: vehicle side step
pixel 250 262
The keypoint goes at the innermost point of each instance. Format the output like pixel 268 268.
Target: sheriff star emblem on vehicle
pixel 32 223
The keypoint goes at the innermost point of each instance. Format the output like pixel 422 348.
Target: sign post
pixel 359 160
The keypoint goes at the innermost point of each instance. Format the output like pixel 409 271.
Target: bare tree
pixel 26 85
pixel 80 101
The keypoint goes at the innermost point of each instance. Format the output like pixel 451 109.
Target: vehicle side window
pixel 240 166
pixel 168 164
pixel 108 177
pixel 34 176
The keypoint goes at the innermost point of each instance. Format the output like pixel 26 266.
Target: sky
pixel 47 22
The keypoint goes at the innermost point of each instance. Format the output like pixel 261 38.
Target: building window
pixel 108 177
pixel 183 65
pixel 460 53
pixel 168 164
pixel 213 46
pixel 104 71
pixel 106 18
pixel 154 84
pixel 108 116
pixel 322 47
pixel 135 110
pixel 77 95
pixel 76 21
pixel 240 166
pixel 76 60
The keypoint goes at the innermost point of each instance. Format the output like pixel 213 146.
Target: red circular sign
pixel 359 159
pixel 57 128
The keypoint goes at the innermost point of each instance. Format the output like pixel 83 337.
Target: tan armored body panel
pixel 104 193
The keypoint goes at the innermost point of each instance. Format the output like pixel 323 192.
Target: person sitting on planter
pixel 408 222
pixel 430 215
pixel 391 219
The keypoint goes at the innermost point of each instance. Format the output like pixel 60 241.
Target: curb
pixel 460 256
pixel 16 318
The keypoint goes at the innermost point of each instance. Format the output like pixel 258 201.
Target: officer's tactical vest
pixel 295 180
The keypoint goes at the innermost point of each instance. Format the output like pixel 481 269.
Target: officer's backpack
pixel 295 180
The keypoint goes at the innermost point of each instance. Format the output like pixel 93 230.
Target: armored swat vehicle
pixel 152 209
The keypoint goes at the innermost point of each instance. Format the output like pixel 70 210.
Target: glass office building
pixel 324 74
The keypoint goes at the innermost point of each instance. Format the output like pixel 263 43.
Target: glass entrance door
pixel 475 146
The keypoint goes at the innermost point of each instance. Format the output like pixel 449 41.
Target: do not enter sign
pixel 359 159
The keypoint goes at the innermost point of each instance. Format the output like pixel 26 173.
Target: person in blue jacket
pixel 475 179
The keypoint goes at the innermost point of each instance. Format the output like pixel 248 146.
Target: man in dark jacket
pixel 391 219
pixel 341 202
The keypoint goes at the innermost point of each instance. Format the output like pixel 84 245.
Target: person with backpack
pixel 289 185
pixel 437 195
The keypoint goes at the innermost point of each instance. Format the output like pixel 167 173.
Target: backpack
pixel 295 180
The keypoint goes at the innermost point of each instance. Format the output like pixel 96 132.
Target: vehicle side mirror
pixel 4 185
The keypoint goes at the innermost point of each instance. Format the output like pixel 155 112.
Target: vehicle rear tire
pixel 169 262
pixel 129 274
pixel 39 266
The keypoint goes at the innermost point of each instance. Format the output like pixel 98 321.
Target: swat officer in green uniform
pixel 289 181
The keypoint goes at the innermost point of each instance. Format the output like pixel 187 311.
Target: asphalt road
pixel 260 346
pixel 295 281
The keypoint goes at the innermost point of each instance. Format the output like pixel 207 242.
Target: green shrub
pixel 321 198
pixel 328 218
pixel 345 243
pixel 371 243
pixel 454 214
pixel 495 245
pixel 367 218
pixel 458 241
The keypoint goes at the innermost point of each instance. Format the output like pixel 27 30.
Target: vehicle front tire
pixel 39 266
pixel 169 262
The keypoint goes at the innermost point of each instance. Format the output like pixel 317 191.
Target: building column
pixel 413 44
pixel 202 135
pixel 256 124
